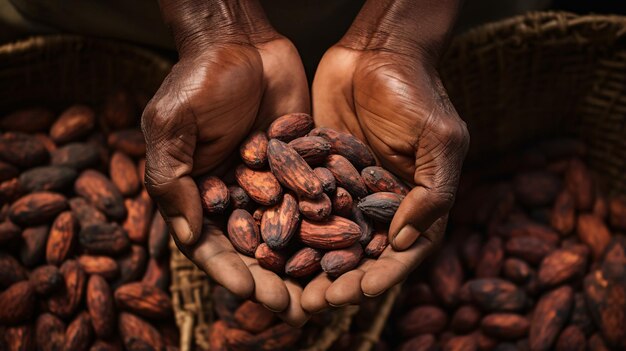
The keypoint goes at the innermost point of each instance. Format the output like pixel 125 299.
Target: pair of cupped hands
pixel 217 94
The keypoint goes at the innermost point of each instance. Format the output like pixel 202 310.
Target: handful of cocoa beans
pixel 84 258
pixel 305 199
pixel 535 260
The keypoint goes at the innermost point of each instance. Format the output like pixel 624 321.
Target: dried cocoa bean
pixel 79 333
pixel 336 233
pixel 327 178
pixel 378 179
pixel 75 155
pixel 313 149
pixel 347 146
pixel 342 202
pixel 423 320
pixel 85 212
pixel 139 215
pixel 579 182
pixel 17 303
pixel 64 302
pixel 465 319
pixel 103 239
pixel 315 209
pixel 381 206
pixel 143 300
pixel 129 141
pixel 133 328
pixel 101 306
pixel 243 232
pixel 46 279
pixel 104 266
pixel 238 197
pixel 37 208
pixel 516 270
pixel 563 264
pixel 214 194
pixel 123 174
pixel 292 171
pixel 33 250
pixel 61 238
pixel 563 217
pixel 261 186
pixel 537 188
pixel 253 317
pixel 531 250
pixel 22 150
pixel 446 276
pixel 253 150
pixel 491 259
pixel 377 245
pixel 557 304
pixel 132 265
pixel 47 178
pixel 290 126
pixel 11 271
pixel 49 332
pixel 304 262
pixel 28 120
pixel 492 294
pixel 507 326
pixel 270 259
pixel 593 232
pixel 99 190
pixel 346 175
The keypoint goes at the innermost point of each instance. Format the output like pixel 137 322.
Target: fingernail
pixel 339 306
pixel 374 295
pixel 181 228
pixel 405 237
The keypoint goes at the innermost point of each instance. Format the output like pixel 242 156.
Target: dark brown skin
pixel 236 74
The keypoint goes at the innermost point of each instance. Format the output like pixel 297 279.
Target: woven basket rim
pixel 41 42
pixel 532 24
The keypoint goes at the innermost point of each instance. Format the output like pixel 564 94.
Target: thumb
pixel 439 159
pixel 170 145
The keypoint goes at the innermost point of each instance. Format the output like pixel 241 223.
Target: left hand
pixel 397 105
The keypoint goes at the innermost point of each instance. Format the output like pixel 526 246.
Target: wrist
pixel 415 28
pixel 200 24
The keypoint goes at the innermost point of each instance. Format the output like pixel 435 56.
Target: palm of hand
pixel 209 102
pixel 400 109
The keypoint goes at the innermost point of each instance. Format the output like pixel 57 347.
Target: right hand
pixel 211 100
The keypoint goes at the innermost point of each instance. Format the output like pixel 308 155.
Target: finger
pixel 314 294
pixel 170 144
pixel 392 267
pixel 286 89
pixel 346 289
pixel 438 161
pixel 294 315
pixel 269 288
pixel 215 255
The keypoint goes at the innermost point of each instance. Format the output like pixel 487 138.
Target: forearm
pixel 198 23
pixel 411 27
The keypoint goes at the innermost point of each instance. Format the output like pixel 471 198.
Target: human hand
pixel 383 88
pixel 235 75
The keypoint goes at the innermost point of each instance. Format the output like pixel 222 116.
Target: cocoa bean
pixel 347 146
pixel 61 238
pixel 9 231
pixel 516 270
pixel 214 194
pixel 143 300
pixel 491 259
pixel 261 186
pixel 279 337
pixel 243 232
pixel 33 250
pixel 158 237
pixel 103 239
pixel 123 174
pixel 101 306
pixel 46 279
pixel 346 175
pixel 28 120
pixel 292 171
pixel 423 320
pixel 557 304
pixel 492 294
pixel 17 303
pixel 49 332
pixel 139 216
pixel 75 155
pixel 571 339
pixel 315 209
pixel 157 274
pixel 381 206
pixel 327 178
pixel 104 266
pixel 365 223
pixel 378 179
pixel 342 202
pixel 37 208
pixel 132 265
pixel 563 264
pixel 304 262
pixel 617 209
pixel 270 259
pixel 20 338
pixel 11 271
pixel 99 190
pixel 446 276
pixel 424 342
pixel 85 212
pixel 290 126
pixel 336 233
pixel 238 197
pixel 313 149
pixel 128 141
pixel 133 328
pixel 338 262
pixel 507 326
pixel 465 319
pixel 66 300
pixel 240 340
pixel 377 245
pixel 563 217
pixel 79 333
pixel 22 150
pixel 253 150
pixel 593 233
pixel 47 178
pixel 531 250
pixel 579 183
pixel 253 317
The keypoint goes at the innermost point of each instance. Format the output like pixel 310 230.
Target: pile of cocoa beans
pixel 535 260
pixel 84 258
pixel 305 199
